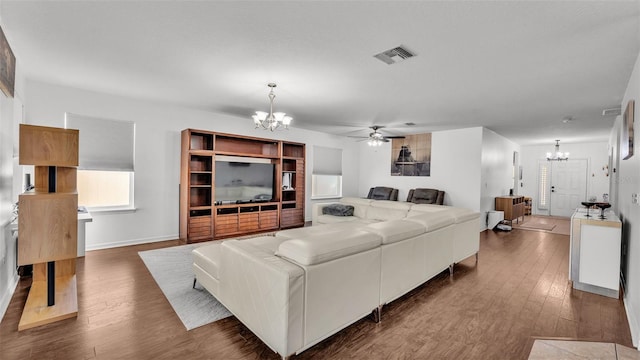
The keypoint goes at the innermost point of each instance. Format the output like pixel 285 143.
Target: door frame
pixel 547 211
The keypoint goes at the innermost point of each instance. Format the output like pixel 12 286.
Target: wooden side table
pixel 512 205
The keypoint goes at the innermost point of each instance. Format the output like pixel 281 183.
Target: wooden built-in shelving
pixel 201 219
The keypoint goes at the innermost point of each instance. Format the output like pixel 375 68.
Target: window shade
pixel 327 161
pixel 104 144
pixel 543 185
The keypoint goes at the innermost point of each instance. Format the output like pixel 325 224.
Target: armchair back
pixel 383 193
pixel 426 196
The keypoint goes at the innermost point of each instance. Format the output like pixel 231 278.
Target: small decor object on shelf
pixel 603 206
pixel 271 120
pixel 588 205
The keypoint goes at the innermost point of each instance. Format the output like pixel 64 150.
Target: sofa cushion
pixel 433 221
pixel 355 201
pixel 395 230
pixel 208 258
pixel 329 219
pixel 395 205
pixel 385 213
pixel 428 208
pixel 326 247
pixel 300 233
pixel 360 206
pixel 338 210
pixel 462 215
pixel 267 243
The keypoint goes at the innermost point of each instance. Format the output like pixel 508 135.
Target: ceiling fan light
pixel 286 121
pixel 279 116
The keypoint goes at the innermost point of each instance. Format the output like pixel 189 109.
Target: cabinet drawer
pixel 292 217
pixel 249 221
pixel 269 220
pixel 226 229
pixel 226 219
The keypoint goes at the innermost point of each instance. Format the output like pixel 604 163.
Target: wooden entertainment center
pixel 203 219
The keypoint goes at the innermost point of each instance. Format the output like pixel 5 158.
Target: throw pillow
pixel 338 210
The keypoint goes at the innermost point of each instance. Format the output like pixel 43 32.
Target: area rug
pixel 171 269
pixel 552 224
pixel 536 224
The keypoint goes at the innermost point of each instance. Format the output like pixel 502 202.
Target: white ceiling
pixel 516 67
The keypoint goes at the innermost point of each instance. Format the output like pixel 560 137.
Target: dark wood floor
pixel 518 291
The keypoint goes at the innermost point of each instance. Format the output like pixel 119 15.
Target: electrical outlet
pixel 634 199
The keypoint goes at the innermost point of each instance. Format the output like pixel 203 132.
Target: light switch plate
pixel 634 198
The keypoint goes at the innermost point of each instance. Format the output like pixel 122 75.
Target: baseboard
pixel 130 242
pixel 8 293
pixel 633 322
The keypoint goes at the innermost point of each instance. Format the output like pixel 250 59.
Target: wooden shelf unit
pixel 292 197
pixel 202 220
pixel 512 205
pixel 48 224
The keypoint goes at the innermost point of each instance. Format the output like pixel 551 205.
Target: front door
pixel 568 186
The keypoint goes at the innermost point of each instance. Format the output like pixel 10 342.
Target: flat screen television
pixel 238 181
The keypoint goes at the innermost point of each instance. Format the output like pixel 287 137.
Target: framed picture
pixel 411 156
pixel 626 147
pixel 7 66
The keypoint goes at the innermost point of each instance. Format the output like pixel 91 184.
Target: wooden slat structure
pixel 48 224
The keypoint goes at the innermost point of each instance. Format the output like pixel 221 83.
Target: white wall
pixel 629 183
pixel 497 170
pixel 596 153
pixel 157 158
pixel 9 120
pixel 455 168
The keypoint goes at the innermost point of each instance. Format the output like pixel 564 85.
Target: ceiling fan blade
pixel 395 137
pixel 358 137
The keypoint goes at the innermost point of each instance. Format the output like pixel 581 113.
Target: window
pixel 543 185
pixel 326 178
pixel 326 186
pixel 106 169
pixel 105 188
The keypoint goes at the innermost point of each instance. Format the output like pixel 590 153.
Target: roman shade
pixel 104 144
pixel 327 161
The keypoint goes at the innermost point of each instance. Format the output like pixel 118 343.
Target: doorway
pixel 568 186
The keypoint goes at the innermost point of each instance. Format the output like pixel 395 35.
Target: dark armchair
pixel 383 193
pixel 426 196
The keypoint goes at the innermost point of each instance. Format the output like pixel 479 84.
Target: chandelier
pixel 558 155
pixel 271 120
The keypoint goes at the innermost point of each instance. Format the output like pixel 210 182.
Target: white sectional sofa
pixel 302 285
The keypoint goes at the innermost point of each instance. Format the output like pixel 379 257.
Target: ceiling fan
pixel 376 138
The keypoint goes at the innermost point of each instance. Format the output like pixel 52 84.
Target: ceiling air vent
pixel 395 55
pixel 612 111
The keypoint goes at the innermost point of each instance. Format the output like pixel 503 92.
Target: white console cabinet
pixel 594 263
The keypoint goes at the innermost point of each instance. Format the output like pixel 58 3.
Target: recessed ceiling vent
pixel 395 55
pixel 612 112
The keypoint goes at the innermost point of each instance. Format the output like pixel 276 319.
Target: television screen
pixel 243 181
